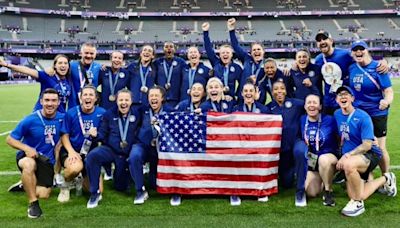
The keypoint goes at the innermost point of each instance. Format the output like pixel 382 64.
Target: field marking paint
pixel 9 121
pixel 5 133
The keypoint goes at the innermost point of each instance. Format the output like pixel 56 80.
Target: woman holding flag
pixel 197 94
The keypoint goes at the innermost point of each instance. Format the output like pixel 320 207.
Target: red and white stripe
pixel 241 158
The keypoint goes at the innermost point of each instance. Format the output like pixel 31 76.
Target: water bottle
pixel 87 143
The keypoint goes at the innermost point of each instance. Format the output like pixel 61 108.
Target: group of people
pixel 89 116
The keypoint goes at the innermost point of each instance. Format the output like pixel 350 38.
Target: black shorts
pixel 64 155
pixel 380 125
pixel 44 170
pixel 317 165
pixel 374 161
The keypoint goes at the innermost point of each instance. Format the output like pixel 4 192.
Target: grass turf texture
pixel 117 209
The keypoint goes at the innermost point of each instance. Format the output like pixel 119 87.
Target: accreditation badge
pixel 312 160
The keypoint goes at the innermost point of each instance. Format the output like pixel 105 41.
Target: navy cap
pixel 344 88
pixel 359 43
pixel 324 34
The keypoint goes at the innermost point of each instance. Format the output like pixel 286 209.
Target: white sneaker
pixel 94 200
pixel 146 168
pixel 175 200
pixel 353 208
pixel 390 185
pixel 107 177
pixel 141 197
pixel 64 195
pixel 300 199
pixel 235 200
pixel 59 179
pixel 263 199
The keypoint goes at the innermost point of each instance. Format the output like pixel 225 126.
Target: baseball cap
pixel 359 43
pixel 344 88
pixel 323 34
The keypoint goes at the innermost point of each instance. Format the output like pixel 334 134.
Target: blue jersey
pixel 185 106
pixel 355 128
pixel 291 111
pixel 112 82
pixel 84 75
pixel 172 70
pixel 368 94
pixel 256 107
pixel 109 130
pixel 141 77
pixel 229 75
pixel 222 106
pixel 63 87
pixel 40 133
pixel 250 67
pixel 312 72
pixel 342 57
pixel 72 124
pixel 191 76
pixel 321 135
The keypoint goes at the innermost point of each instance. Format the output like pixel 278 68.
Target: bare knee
pixel 28 165
pixel 73 169
pixel 43 192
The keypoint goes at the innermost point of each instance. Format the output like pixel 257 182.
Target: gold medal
pixel 111 98
pixel 144 89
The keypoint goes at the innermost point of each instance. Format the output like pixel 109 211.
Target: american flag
pixel 217 153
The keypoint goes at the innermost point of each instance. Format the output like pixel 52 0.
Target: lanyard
pixel 253 108
pixel 324 58
pixel 113 84
pixel 143 76
pixel 215 106
pixel 255 69
pixel 192 73
pixel 306 138
pixel 370 77
pixel 226 74
pixel 168 72
pixel 63 88
pixel 84 132
pixel 89 75
pixel 342 138
pixel 48 135
pixel 123 130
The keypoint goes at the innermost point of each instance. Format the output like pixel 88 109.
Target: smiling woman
pixel 60 81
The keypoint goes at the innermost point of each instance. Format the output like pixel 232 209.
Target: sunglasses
pixel 321 38
pixel 358 48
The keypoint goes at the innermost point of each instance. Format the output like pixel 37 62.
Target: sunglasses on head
pixel 358 48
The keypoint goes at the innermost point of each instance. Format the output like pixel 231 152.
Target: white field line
pixel 5 133
pixel 9 121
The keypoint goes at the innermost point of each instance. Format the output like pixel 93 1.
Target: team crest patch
pixel 288 104
pixel 232 69
pixel 224 106
pixel 132 118
pixel 174 63
pixel 201 71
pixel 311 73
pixel 121 74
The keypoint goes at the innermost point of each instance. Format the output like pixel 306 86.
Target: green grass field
pixel 117 209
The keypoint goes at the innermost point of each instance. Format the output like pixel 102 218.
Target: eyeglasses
pixel 343 94
pixel 358 48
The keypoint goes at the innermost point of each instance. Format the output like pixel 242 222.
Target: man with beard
pixel 85 71
pixel 35 138
pixel 117 133
pixel 169 73
pixel 78 136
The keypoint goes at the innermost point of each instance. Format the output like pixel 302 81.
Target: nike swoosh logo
pixel 115 118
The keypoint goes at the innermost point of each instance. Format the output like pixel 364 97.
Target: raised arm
pixel 21 69
pixel 212 56
pixel 240 53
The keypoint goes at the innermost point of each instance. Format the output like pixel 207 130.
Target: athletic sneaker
pixel 263 199
pixel 141 197
pixel 328 199
pixel 235 200
pixel 339 178
pixel 34 210
pixel 353 208
pixel 300 199
pixel 78 185
pixel 390 185
pixel 107 177
pixel 175 200
pixel 17 187
pixel 59 179
pixel 64 195
pixel 94 200
pixel 146 168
